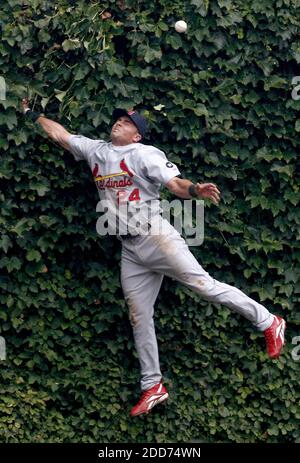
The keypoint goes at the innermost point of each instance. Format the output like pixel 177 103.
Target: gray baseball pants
pixel 145 261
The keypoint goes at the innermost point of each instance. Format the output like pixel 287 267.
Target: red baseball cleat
pixel 275 337
pixel 157 394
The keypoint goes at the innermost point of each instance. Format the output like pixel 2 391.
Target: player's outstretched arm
pixel 186 189
pixel 55 131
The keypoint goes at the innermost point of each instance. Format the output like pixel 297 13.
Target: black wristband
pixel 33 115
pixel 192 191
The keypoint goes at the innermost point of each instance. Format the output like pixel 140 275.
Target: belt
pixel 126 237
pixel 129 235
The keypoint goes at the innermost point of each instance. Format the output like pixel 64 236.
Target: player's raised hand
pixel 208 191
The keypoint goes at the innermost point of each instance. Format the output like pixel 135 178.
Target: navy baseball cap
pixel 138 120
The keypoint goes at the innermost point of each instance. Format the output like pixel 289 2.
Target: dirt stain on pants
pixel 132 311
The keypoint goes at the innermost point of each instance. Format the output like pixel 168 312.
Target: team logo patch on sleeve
pixel 169 164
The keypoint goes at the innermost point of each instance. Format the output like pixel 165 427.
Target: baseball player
pixel 128 171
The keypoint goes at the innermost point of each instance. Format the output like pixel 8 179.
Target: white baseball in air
pixel 181 26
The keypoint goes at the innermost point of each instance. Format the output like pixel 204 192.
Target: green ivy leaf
pixel 5 243
pixel 71 44
pixel 33 255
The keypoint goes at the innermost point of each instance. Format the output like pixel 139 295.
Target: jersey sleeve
pixel 82 147
pixel 155 166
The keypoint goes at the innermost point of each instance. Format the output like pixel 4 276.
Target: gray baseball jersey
pixel 131 174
